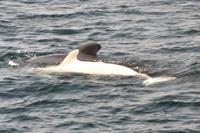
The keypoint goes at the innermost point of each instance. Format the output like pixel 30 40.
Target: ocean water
pixel 160 36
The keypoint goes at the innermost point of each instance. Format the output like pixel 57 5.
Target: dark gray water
pixel 162 36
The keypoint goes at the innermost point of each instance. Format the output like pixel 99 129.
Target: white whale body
pixel 84 60
pixel 72 65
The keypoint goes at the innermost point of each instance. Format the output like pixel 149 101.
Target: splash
pixel 156 80
pixel 12 63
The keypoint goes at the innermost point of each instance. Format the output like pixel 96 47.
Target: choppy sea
pixel 160 36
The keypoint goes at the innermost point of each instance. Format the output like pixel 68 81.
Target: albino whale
pixel 84 60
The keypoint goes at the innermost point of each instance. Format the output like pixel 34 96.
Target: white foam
pixel 156 80
pixel 12 64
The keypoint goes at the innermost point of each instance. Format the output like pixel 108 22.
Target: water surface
pixel 158 35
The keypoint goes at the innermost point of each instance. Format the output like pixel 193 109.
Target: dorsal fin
pixel 72 56
pixel 88 51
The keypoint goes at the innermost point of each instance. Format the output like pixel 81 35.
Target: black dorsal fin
pixel 88 51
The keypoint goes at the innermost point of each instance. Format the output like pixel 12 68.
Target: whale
pixel 84 60
pixel 87 52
